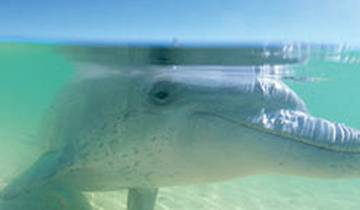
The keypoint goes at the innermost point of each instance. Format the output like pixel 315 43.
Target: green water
pixel 31 76
pixel 30 79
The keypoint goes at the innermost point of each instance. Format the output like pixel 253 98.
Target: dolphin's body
pixel 145 129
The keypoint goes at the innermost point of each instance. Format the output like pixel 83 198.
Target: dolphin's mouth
pixel 218 116
pixel 301 127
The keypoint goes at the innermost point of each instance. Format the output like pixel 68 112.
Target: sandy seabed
pixel 253 193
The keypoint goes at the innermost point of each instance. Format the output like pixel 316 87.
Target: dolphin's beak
pixel 310 130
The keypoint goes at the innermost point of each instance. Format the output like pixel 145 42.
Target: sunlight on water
pixel 32 76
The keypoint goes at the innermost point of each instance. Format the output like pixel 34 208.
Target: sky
pixel 317 21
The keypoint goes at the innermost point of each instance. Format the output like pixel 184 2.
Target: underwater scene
pixel 142 127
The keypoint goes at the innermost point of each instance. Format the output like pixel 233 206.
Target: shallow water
pixel 327 79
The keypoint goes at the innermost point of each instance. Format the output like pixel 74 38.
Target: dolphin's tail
pixel 310 130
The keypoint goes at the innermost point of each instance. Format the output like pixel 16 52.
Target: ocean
pixel 327 78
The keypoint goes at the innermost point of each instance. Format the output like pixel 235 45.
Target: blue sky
pixel 186 20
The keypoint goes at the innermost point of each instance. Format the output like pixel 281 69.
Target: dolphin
pixel 143 128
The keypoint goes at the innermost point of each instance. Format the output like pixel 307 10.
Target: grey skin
pixel 145 129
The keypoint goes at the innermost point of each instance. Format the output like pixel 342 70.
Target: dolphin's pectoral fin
pixel 49 197
pixel 47 167
pixel 310 130
pixel 141 198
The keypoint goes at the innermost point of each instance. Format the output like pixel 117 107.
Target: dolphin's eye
pixel 162 92
pixel 162 95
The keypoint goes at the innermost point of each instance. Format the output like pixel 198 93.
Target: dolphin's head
pixel 210 123
pixel 226 120
pixel 206 115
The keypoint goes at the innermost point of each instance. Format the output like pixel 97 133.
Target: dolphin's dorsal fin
pixel 141 198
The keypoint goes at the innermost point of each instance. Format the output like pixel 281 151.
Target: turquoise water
pixel 328 79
